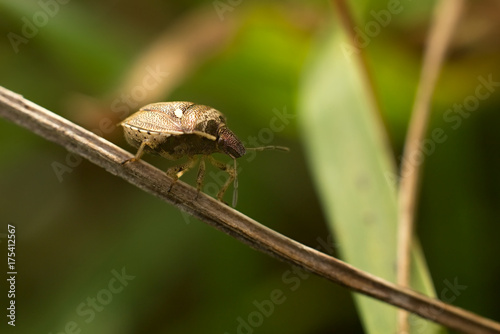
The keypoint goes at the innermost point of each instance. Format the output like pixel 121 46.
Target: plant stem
pixel 447 13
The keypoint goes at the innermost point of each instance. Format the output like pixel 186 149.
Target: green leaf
pixel 354 173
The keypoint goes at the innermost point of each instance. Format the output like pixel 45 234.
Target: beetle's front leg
pixel 232 177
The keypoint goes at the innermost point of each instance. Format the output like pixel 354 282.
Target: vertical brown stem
pixel 446 15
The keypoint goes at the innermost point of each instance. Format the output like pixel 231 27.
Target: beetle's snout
pixel 230 144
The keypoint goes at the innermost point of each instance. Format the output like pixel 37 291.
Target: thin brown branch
pixel 150 179
pixel 447 13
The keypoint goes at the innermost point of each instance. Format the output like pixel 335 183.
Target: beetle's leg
pixel 176 172
pixel 201 175
pixel 139 153
pixel 232 177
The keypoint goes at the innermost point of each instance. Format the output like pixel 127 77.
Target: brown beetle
pixel 177 129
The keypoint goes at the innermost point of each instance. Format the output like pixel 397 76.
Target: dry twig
pixel 150 179
pixel 445 18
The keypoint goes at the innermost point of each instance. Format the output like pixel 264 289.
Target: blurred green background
pixel 78 230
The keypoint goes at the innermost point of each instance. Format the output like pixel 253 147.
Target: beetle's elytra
pixel 177 129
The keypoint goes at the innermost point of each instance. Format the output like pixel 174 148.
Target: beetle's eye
pixel 230 144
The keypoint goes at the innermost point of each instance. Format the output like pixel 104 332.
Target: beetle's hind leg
pixel 140 152
pixel 232 177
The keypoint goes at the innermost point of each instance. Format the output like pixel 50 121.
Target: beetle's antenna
pixel 235 185
pixel 263 148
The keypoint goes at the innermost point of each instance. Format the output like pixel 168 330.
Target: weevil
pixel 185 129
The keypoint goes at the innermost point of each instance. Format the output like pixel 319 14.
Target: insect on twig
pixel 185 129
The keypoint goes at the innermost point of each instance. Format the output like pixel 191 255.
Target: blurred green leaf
pixel 350 160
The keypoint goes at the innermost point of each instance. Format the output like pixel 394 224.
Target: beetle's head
pixel 229 144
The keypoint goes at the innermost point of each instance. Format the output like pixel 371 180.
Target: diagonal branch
pixel 150 179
